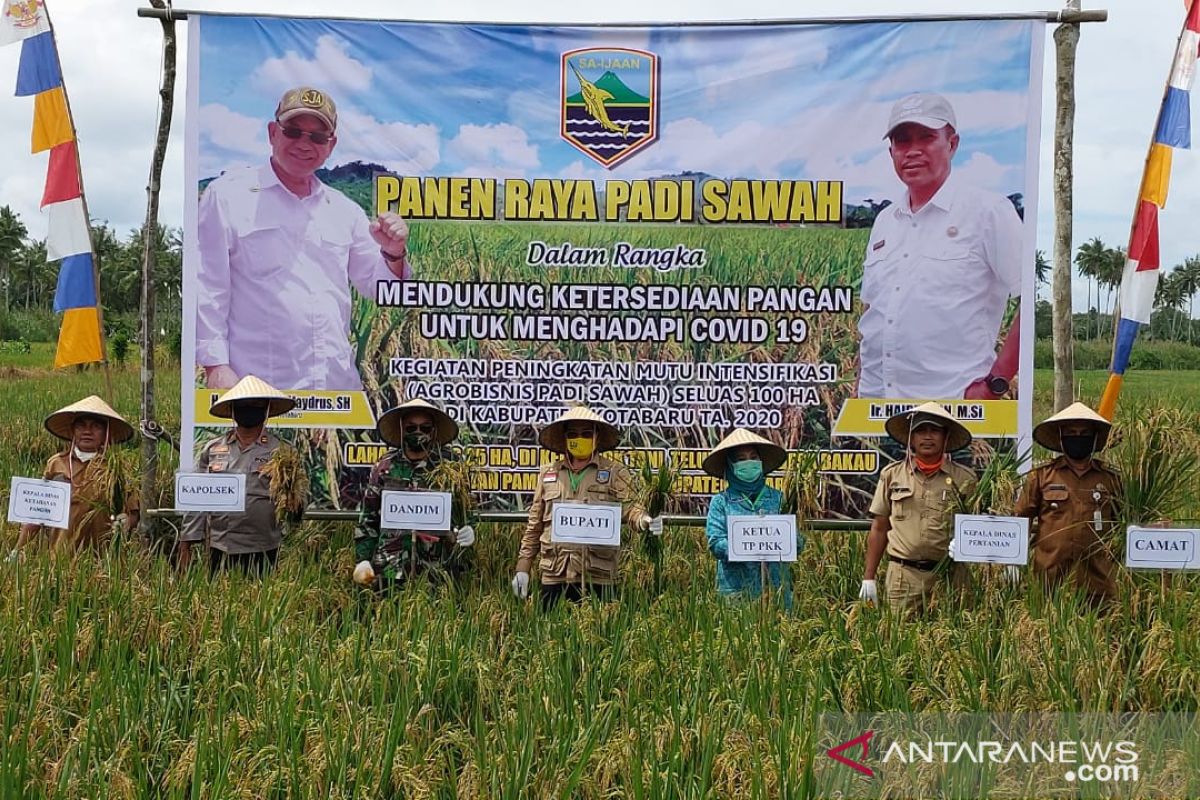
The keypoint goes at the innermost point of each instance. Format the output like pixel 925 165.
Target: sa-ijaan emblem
pixel 609 102
pixel 24 13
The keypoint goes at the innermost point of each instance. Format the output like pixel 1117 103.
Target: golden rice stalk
pixel 288 483
pixel 111 475
pixel 454 477
pixel 802 485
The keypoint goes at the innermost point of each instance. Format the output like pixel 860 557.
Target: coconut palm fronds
pixel 288 483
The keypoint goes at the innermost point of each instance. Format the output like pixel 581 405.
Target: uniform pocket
pixel 900 498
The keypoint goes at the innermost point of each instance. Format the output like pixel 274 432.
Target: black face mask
pixel 1079 447
pixel 417 442
pixel 249 416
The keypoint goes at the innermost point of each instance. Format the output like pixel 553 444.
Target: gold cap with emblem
pixel 252 388
pixel 1047 432
pixel 307 100
pixel 772 455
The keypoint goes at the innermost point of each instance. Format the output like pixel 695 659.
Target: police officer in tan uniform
pixel 914 506
pixel 1071 503
pixel 249 540
pixel 581 474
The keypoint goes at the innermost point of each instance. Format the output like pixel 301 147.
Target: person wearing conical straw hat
pixel 581 474
pixel 913 508
pixel 743 460
pixel 420 434
pixel 1071 503
pixel 248 540
pixel 89 428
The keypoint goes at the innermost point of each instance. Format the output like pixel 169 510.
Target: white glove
pixel 520 585
pixel 1012 573
pixel 464 536
pixel 13 556
pixel 656 526
pixel 363 573
pixel 869 592
pixel 953 550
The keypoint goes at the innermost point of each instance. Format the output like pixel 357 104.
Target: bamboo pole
pixel 1066 39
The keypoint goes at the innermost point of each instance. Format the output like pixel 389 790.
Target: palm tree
pixel 1169 296
pixel 1112 269
pixel 1189 278
pixel 1091 261
pixel 12 241
pixel 1041 268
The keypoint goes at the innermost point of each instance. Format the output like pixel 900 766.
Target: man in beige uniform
pixel 914 507
pixel 249 540
pixel 89 427
pixel 583 475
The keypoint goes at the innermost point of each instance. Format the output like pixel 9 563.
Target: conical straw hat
pixel 60 422
pixel 391 424
pixel 252 388
pixel 1046 433
pixel 554 435
pixel 899 425
pixel 772 455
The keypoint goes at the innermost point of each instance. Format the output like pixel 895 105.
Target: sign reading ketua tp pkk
pixel 1162 548
pixel 39 502
pixel 415 511
pixel 991 540
pixel 766 538
pixel 586 523
pixel 210 491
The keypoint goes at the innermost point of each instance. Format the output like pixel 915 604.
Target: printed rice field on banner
pixel 689 230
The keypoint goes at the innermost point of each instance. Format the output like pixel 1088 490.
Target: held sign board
pixel 586 523
pixel 210 491
pixel 991 540
pixel 1162 548
pixel 415 511
pixel 770 537
pixel 39 502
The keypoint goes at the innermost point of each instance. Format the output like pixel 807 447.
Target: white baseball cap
pixel 924 108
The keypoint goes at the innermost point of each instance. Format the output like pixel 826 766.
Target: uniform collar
pixel 945 466
pixel 267 179
pixel 231 437
pixel 1095 465
pixel 942 199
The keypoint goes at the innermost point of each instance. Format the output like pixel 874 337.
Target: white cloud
pixel 503 145
pixel 331 68
pixel 232 131
pixel 402 148
pixel 985 172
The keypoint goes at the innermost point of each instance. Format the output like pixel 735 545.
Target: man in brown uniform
pixel 89 427
pixel 914 506
pixel 582 475
pixel 249 540
pixel 1072 505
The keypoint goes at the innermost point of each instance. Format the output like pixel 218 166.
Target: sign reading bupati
pixel 1162 548
pixel 39 502
pixel 771 537
pixel 991 540
pixel 415 511
pixel 586 523
pixel 210 491
pixel 688 229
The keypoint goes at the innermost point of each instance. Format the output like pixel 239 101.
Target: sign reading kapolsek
pixel 1162 548
pixel 586 523
pixel 216 491
pixel 991 540
pixel 415 511
pixel 39 502
pixel 771 537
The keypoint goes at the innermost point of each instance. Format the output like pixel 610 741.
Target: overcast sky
pixel 111 68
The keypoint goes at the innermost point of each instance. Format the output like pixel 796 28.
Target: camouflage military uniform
pixel 395 555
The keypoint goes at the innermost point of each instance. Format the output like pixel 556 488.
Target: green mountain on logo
pixel 614 86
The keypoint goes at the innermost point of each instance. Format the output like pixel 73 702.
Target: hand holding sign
pixel 770 537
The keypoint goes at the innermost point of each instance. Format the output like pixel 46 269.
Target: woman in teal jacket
pixel 744 460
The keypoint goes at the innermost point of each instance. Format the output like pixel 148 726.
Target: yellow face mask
pixel 580 447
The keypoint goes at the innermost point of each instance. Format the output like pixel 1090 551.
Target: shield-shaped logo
pixel 609 101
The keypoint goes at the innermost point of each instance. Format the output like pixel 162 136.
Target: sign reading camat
pixel 586 523
pixel 39 502
pixel 771 537
pixel 1162 548
pixel 415 511
pixel 203 491
pixel 991 540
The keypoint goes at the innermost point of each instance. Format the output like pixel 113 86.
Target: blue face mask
pixel 748 471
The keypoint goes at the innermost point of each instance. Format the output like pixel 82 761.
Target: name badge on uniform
pixel 878 245
pixel 602 476
pixel 550 477
pixel 220 448
pixel 1097 521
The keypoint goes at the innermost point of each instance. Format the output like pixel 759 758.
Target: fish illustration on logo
pixel 609 102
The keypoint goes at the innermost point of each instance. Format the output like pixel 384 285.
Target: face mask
pixel 1079 447
pixel 84 457
pixel 249 416
pixel 748 471
pixel 416 442
pixel 580 447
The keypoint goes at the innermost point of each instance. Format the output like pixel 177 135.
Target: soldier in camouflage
pixel 420 434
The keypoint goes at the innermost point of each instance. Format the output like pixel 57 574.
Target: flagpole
pixel 1112 389
pixel 87 217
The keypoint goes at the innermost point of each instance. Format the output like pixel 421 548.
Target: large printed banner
pixel 798 229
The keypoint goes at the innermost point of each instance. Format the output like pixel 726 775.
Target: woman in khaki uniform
pixel 1071 503
pixel 583 475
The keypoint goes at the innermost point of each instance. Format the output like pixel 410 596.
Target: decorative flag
pixel 67 233
pixel 1140 278
pixel 76 283
pixel 38 70
pixel 79 339
pixel 62 174
pixel 21 19
pixel 51 120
